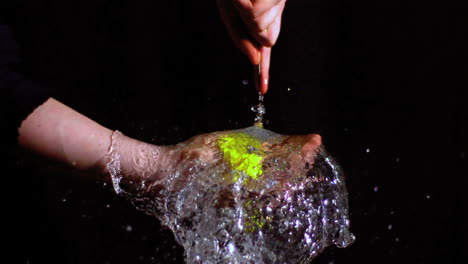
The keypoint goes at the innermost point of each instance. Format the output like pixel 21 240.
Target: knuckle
pixel 258 24
pixel 242 7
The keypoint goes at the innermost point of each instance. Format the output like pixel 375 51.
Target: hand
pixel 254 25
pixel 231 188
pixel 144 170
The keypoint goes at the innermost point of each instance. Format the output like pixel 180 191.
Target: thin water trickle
pixel 259 110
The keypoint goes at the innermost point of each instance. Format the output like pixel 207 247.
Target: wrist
pixel 130 163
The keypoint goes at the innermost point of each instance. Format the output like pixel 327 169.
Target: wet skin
pixel 147 169
pixel 237 194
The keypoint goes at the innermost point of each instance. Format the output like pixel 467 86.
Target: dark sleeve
pixel 22 95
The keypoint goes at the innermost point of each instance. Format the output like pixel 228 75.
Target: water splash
pixel 289 214
pixel 259 109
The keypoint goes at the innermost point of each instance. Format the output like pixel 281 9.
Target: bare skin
pixel 172 167
pixel 57 131
pixel 254 26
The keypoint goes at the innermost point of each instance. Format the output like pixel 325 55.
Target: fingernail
pixel 264 85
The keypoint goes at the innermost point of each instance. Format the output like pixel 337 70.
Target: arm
pixel 56 131
pixel 48 127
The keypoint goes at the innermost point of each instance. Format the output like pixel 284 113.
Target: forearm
pixel 56 131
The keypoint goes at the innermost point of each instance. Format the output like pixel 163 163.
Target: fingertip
pixel 265 69
pixel 264 85
pixel 261 78
pixel 263 91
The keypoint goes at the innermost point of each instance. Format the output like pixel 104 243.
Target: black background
pixel 383 83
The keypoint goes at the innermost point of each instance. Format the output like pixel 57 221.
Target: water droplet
pixel 428 196
pixel 376 188
pixel 128 228
pixel 367 150
pixel 390 227
pixel 397 239
pixel 259 110
pixel 64 199
pixel 108 206
pixel 231 247
pixel 245 82
pixel 289 89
